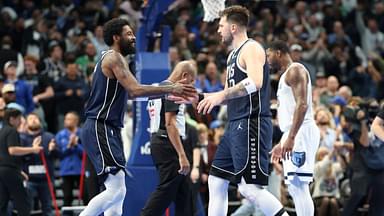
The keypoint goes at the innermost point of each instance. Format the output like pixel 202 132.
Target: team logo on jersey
pixel 298 158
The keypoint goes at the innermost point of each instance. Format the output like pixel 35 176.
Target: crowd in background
pixel 49 50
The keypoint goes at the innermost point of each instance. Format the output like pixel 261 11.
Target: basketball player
pixel 168 152
pixel 242 155
pixel 112 84
pixel 301 136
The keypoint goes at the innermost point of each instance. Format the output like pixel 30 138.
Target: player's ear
pixel 233 27
pixel 116 37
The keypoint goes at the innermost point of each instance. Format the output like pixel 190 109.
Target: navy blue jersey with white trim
pixel 108 99
pixel 256 104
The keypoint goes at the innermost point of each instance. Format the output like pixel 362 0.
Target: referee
pixel 168 154
pixel 11 178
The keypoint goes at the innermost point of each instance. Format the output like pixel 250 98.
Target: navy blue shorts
pixel 103 145
pixel 244 151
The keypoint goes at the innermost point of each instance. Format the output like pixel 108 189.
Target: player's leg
pixel 256 143
pixel 261 198
pixel 222 170
pixel 218 196
pixel 112 197
pixel 299 191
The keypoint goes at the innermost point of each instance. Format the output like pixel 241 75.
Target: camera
pixel 369 108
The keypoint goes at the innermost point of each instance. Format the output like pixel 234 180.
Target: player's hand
pixel 184 165
pixel 209 102
pixel 286 149
pixel 183 89
pixel 183 100
pixel 276 154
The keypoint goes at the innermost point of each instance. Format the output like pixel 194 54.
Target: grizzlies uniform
pixel 307 140
pixel 104 119
pixel 245 145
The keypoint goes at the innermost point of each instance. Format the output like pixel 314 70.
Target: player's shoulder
pixel 254 48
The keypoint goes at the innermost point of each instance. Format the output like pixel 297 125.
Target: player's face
pixel 225 31
pixel 273 59
pixel 127 41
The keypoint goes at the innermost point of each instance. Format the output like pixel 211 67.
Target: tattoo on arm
pixel 236 91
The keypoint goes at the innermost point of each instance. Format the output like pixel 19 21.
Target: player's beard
pixel 127 47
pixel 275 66
pixel 228 40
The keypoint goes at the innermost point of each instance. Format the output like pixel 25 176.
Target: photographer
pixel 364 178
pixel 378 125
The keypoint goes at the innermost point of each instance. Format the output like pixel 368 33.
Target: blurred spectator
pixel 22 89
pixel 345 92
pixel 323 120
pixel 53 66
pixel 11 175
pixel 42 88
pixel 97 39
pixel 35 39
pixel 8 54
pixel 87 61
pixel 372 39
pixel 331 90
pixel 326 185
pixel 339 65
pixel 297 56
pixel 8 93
pixel 71 151
pixel 37 184
pixel 338 35
pixel 71 92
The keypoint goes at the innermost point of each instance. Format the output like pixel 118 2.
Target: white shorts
pixel 302 162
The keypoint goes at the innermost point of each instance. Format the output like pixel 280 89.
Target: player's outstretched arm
pixel 115 66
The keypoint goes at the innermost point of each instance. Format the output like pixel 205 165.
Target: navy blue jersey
pixel 108 99
pixel 256 104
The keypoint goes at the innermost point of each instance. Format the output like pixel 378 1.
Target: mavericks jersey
pixel 253 105
pixel 287 102
pixel 108 99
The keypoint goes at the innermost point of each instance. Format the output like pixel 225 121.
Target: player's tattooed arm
pixel 236 91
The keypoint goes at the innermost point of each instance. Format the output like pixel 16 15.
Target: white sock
pixel 301 196
pixel 218 196
pixel 111 199
pixel 261 198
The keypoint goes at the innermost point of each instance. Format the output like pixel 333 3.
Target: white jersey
pixel 287 103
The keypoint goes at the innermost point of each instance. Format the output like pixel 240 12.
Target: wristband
pixel 201 97
pixel 249 85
